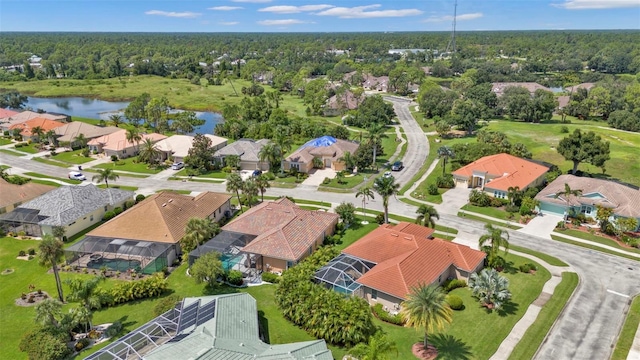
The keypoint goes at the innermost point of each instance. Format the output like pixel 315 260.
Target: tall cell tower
pixel 451 47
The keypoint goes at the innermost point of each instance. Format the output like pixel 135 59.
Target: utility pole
pixel 451 47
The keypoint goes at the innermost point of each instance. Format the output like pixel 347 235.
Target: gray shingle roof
pixel 66 204
pixel 247 149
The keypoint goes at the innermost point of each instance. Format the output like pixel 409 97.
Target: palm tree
pixel 386 187
pixel 197 231
pixel 149 153
pixel 270 153
pixel 235 184
pixel 82 140
pixel 375 349
pixel 490 287
pixel 426 215
pixel 37 132
pixel 513 194
pixel 445 153
pixel 340 177
pixel 284 143
pixel 263 184
pixel 133 137
pixel 376 134
pixel 51 136
pixel 498 238
pixel 47 311
pixel 568 191
pixel 87 293
pixel 116 119
pixel 348 159
pixel 82 315
pixel 105 175
pixel 250 190
pixel 51 252
pixel 425 307
pixel 366 193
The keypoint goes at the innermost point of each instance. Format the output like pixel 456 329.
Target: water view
pixel 100 109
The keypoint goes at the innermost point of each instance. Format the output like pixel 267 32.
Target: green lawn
pixel 212 174
pixel 594 247
pixel 128 164
pixel 356 231
pixel 551 260
pixel 72 157
pixel 184 192
pixel 491 211
pixel 11 152
pixel 95 122
pixel 533 337
pixel 116 186
pixel 32 148
pixel 348 182
pixel 45 160
pixel 42 176
pixel 45 182
pixel 625 339
pixel 597 239
pixel 4 141
pixel 510 225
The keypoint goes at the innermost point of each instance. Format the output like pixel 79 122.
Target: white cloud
pixel 225 8
pixel 281 22
pixel 361 12
pixel 597 4
pixel 252 1
pixel 461 17
pixel 184 14
pixel 228 23
pixel 287 9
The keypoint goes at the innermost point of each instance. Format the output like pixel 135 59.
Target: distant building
pixel 499 87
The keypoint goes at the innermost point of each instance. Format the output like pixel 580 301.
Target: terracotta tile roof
pixel 28 115
pixel 405 259
pixel 6 113
pixel 623 199
pixel 161 217
pixel 507 171
pixel 44 123
pixel 283 230
pixel 117 141
pixel 11 194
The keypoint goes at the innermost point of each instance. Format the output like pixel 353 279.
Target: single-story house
pixel 70 131
pixel 209 327
pixel 19 118
pixel 326 148
pixel 155 226
pixel 177 146
pixel 12 195
pixel 623 199
pixel 117 144
pixel 385 264
pixel 338 104
pixel 379 83
pixel 499 87
pixel 73 207
pixel 495 174
pixel 248 150
pixel 284 233
pixel 43 123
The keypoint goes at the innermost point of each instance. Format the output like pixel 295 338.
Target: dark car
pixel 256 173
pixel 397 166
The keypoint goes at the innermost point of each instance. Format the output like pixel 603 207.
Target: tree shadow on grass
pixel 264 327
pixel 219 290
pixel 509 268
pixel 508 308
pixel 450 348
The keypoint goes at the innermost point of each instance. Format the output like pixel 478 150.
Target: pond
pixel 100 109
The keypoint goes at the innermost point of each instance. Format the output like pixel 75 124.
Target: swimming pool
pixel 115 264
pixel 228 262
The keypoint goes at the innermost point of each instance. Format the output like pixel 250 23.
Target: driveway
pixel 316 176
pixel 541 225
pixel 453 200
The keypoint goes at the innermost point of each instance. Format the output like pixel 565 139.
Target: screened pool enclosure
pixel 342 273
pixel 121 255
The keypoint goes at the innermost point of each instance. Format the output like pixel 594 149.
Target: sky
pixel 314 15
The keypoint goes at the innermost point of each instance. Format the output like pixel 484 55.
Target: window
pixel 374 294
pixel 91 218
pixel 295 166
pixel 310 249
pixel 105 208
pixel 290 264
pixel 586 209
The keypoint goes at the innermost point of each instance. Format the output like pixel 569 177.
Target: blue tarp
pixel 323 141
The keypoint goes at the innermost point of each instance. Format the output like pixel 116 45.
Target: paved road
pixel 418 147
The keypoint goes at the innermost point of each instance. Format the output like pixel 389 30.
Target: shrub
pixel 495 202
pixel 270 277
pixel 31 251
pixel 226 169
pixel 42 345
pixel 108 215
pixel 381 314
pixel 445 182
pixel 525 268
pixel 512 208
pixel 166 304
pixel 234 277
pixel 326 181
pixel 22 253
pixel 114 158
pixel 129 204
pixel 453 284
pixel 114 329
pixel 380 218
pixel 564 129
pixel 479 198
pixel 122 292
pixel 270 176
pixel 560 225
pixel 455 302
pixel 117 211
pixel 139 198
pixel 432 189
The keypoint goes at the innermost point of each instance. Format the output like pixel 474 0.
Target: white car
pixel 75 175
pixel 387 174
pixel 177 166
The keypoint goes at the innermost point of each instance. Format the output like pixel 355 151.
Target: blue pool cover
pixel 323 141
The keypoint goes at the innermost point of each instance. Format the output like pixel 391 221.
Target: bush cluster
pixel 270 277
pixel 432 189
pixel 166 304
pixel 525 268
pixel 323 313
pixel 445 182
pixel 139 198
pixel 386 317
pixel 152 286
pixel 455 302
pixel 41 344
pixel 234 277
pixel 453 284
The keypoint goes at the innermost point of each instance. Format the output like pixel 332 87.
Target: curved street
pixel 587 329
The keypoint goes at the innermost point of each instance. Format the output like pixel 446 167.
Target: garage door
pixel 462 183
pixel 552 209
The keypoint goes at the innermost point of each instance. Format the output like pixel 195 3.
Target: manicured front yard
pixel 51 162
pixel 212 174
pixel 42 176
pixel 72 157
pixel 492 211
pixel 129 164
pixel 115 186
pixel 347 182
pixel 598 239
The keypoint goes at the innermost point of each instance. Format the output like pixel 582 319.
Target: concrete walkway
pixel 634 352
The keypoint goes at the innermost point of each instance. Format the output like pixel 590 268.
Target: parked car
pixel 177 165
pixel 397 166
pixel 76 175
pixel 256 173
pixel 387 174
